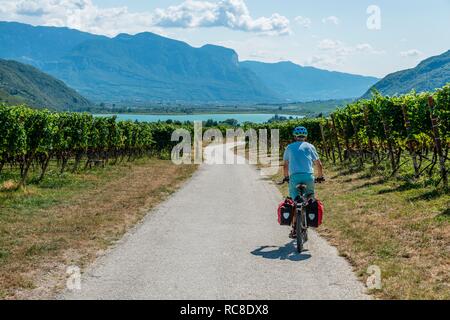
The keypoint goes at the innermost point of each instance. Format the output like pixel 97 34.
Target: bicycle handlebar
pixel 317 180
pixel 286 179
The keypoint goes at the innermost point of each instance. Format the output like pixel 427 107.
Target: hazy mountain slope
pixel 429 75
pixel 20 83
pixel 8 99
pixel 37 45
pixel 299 83
pixel 148 67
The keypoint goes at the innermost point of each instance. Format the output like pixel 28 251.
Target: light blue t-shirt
pixel 301 157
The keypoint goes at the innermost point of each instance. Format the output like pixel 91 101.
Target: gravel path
pixel 218 238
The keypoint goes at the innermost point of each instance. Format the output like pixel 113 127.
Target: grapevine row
pixel 31 137
pixel 412 129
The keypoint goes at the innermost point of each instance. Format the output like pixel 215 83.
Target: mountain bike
pixel 300 221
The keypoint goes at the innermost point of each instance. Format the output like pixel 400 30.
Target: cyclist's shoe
pixel 293 234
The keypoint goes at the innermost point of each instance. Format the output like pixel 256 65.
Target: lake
pixel 241 117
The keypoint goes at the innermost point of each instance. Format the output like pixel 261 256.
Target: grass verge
pixel 70 219
pixel 404 228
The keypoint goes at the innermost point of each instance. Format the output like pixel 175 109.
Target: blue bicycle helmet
pixel 300 132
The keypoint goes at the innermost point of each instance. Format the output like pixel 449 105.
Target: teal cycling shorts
pixel 301 178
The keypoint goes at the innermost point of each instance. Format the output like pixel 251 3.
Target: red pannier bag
pixel 314 213
pixel 286 211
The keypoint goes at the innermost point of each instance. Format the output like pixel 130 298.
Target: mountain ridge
pixel 428 75
pixel 287 77
pixel 155 68
pixel 147 67
pixel 24 84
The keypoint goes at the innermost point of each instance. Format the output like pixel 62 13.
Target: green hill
pixel 21 83
pixel 8 99
pixel 429 75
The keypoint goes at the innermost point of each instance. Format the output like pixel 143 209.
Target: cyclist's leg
pixel 293 192
pixel 294 180
pixel 301 178
pixel 308 180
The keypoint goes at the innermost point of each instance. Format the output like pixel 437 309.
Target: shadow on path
pixel 287 252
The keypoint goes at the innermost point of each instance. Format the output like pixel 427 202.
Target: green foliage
pixel 377 131
pixel 30 136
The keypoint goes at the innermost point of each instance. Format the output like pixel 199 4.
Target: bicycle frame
pixel 301 202
pixel 301 228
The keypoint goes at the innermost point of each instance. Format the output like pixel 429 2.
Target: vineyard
pixel 32 139
pixel 407 135
pixel 390 133
pixel 71 204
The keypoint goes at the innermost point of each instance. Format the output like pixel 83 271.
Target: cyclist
pixel 299 160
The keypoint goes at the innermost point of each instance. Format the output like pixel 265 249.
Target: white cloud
pixel 32 8
pixel 413 53
pixel 232 14
pixel 331 20
pixel 85 15
pixel 336 52
pixel 341 49
pixel 364 47
pixel 303 21
pixel 6 7
pixel 368 48
pixel 77 14
pixel 328 44
pixel 325 61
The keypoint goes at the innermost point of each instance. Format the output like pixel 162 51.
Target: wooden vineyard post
pixel 358 145
pixel 347 145
pixel 387 133
pixel 337 138
pixel 324 141
pixel 369 133
pixel 410 142
pixel 437 141
pixel 333 155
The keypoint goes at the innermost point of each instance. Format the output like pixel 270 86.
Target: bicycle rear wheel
pixel 299 231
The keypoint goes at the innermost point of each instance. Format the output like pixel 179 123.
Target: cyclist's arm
pixel 286 168
pixel 319 167
pixel 286 163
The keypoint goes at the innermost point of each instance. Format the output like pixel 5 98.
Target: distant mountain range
pixel 297 83
pixel 147 67
pixel 21 83
pixel 429 75
pixel 151 68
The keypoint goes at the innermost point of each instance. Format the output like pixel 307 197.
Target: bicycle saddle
pixel 301 187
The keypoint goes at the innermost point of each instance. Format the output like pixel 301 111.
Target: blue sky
pixel 324 33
